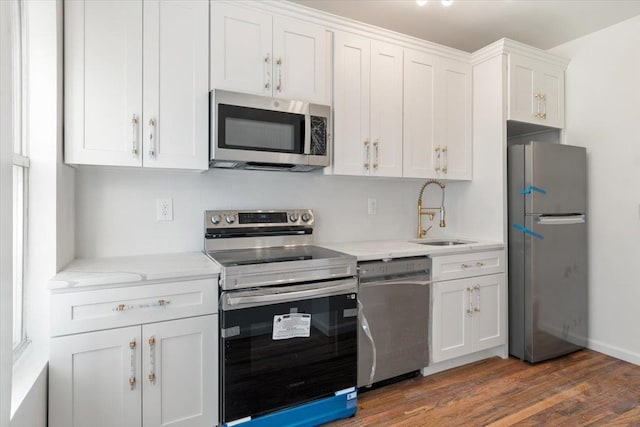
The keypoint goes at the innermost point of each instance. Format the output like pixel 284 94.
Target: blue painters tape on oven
pixel 525 230
pixel 307 415
pixel 531 188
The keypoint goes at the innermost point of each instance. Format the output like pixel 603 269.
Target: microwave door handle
pixel 307 133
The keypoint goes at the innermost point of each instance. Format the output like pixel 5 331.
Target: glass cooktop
pixel 240 257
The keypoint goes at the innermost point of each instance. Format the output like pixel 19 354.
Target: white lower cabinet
pixel 467 316
pixel 157 374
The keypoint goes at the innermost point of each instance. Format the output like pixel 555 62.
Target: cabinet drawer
pixel 110 308
pixel 449 267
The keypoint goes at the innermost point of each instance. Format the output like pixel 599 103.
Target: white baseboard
pixel 613 351
pixel 465 360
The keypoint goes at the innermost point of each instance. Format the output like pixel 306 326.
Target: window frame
pixel 21 161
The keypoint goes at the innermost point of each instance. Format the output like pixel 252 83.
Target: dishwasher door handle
pixel 409 280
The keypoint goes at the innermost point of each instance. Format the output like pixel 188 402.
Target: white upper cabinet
pixel 536 91
pixel 103 82
pixel 437 117
pixel 176 84
pixel 367 107
pixel 386 109
pixel 419 120
pixel 352 72
pixel 241 43
pixel 299 52
pixel 259 53
pixel 111 117
pixel 454 134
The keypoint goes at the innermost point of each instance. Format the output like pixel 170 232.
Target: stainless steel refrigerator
pixel 547 187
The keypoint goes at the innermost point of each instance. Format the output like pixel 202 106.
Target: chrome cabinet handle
pixel 161 303
pixel 134 136
pixel 464 266
pixel 152 359
pixel 132 370
pixel 470 309
pixel 267 71
pixel 477 307
pixel 479 264
pixel 376 150
pixel 279 64
pixel 366 154
pixel 437 153
pixel 152 143
pixel 445 159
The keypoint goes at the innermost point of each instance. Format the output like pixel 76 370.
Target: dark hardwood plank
pixel 583 388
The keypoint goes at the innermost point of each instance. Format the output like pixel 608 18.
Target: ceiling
pixel 471 24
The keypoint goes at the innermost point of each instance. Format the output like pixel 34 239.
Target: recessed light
pixel 446 3
pixel 421 2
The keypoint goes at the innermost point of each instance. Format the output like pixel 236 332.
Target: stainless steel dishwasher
pixel 393 316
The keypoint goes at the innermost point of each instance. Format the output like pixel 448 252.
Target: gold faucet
pixel 430 212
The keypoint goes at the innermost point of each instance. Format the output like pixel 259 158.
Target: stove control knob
pixel 230 219
pixel 215 219
pixel 293 217
pixel 306 217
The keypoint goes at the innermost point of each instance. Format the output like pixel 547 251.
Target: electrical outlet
pixel 372 206
pixel 165 209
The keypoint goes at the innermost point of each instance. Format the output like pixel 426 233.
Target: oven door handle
pixel 235 302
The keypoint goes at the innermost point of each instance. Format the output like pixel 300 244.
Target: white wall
pixel 116 207
pixel 603 115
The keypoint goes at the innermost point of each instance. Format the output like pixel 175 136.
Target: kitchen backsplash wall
pixel 116 207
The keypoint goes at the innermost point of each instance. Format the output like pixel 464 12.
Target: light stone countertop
pixel 92 273
pixel 385 249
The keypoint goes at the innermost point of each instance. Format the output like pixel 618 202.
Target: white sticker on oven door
pixel 292 325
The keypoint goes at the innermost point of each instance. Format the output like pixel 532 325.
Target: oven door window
pixel 244 128
pixel 265 370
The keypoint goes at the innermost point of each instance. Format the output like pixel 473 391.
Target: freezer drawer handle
pixel 552 220
pixel 531 188
pixel 525 230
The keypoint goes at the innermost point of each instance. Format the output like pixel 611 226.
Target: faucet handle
pixel 423 233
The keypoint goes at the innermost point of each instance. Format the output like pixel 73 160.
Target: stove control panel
pixel 258 218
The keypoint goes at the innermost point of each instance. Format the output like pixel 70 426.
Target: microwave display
pixel 260 130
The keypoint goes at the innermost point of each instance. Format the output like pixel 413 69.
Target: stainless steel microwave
pixel 264 133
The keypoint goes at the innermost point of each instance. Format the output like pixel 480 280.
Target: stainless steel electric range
pixel 288 320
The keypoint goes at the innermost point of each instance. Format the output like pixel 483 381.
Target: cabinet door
pixel 488 311
pixel 176 84
pixel 352 147
pixel 451 320
pixel 241 49
pixel 454 132
pixel 522 103
pixel 386 109
pixel 419 114
pixel 550 84
pixel 180 366
pixel 103 75
pixel 89 379
pixel 299 54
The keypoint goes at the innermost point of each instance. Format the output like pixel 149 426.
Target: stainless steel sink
pixel 442 242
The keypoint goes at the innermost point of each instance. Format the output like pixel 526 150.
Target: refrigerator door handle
pixel 561 220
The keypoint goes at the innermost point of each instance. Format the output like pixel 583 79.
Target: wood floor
pixel 584 388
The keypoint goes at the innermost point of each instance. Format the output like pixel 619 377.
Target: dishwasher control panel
pixel 396 267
